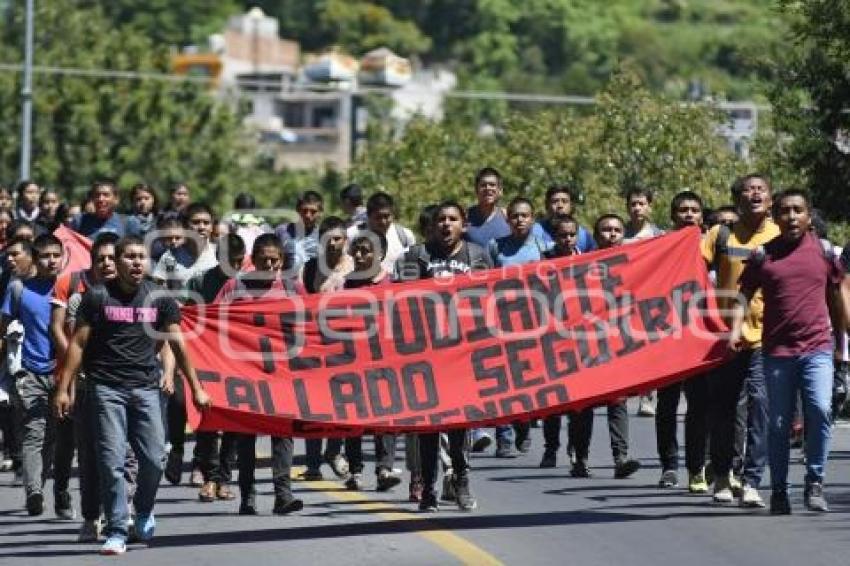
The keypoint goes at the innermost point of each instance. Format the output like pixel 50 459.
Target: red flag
pixel 77 254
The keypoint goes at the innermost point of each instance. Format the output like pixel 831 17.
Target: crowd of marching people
pixel 85 378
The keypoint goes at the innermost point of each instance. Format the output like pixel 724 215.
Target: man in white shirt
pixel 380 220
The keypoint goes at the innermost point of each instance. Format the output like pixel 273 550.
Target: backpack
pixel 759 254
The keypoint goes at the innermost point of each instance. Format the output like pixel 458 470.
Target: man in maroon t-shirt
pixel 797 273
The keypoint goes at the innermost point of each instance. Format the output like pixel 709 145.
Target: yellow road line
pixel 457 546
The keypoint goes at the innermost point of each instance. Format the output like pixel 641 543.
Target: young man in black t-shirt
pixel 120 327
pixel 445 255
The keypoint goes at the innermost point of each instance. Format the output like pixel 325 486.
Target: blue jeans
pixel 811 375
pixel 134 415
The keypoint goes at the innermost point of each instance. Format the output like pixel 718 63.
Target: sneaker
pixel 312 474
pixel 549 460
pixel 814 499
pixel 174 467
pixel 63 507
pixel 6 465
pixel 448 493
pixel 779 503
pixel 463 496
pixel 354 482
pixel 207 492
pixel 145 526
pixel 503 450
pixel 35 503
pixel 669 479
pixel 481 441
pixel 625 468
pixel 723 491
pixel 113 546
pixel 224 492
pixel 89 531
pixel 248 506
pixel 580 470
pixel 415 488
pixel 338 464
pixel 387 479
pixel 735 485
pixel 697 483
pixel 196 478
pixel 429 503
pixel 283 505
pixel 646 408
pixel 750 498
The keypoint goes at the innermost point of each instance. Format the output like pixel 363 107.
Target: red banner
pixel 480 349
pixel 77 249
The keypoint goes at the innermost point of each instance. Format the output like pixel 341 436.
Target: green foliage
pixel 168 22
pixel 134 130
pixel 630 138
pixel 811 97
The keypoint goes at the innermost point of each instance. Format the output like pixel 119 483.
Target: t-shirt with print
pixel 33 312
pixel 121 352
pixel 730 264
pixel 793 278
pixel 427 261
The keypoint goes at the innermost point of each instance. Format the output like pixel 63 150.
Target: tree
pixel 811 98
pixel 152 130
pixel 629 138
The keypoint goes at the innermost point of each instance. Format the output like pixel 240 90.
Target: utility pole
pixel 26 94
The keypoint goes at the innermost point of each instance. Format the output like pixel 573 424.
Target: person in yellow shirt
pixel 727 250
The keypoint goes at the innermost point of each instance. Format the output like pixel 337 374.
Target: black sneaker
pixel 669 478
pixel 248 505
pixel 387 480
pixel 482 442
pixel 779 503
pixel 283 505
pixel 429 503
pixel 814 499
pixel 549 460
pixel 465 501
pixel 63 507
pixel 625 468
pixel 174 467
pixel 580 470
pixel 35 503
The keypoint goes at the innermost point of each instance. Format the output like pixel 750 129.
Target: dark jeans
pixel 177 416
pixel 552 432
pixel 134 415
pixel 429 455
pixel 385 445
pixel 696 423
pixel 11 438
pixel 580 431
pixel 282 449
pixel 85 433
pixel 216 459
pixel 314 451
pixel 744 371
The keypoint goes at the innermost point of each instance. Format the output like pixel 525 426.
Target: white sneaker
pixel 646 408
pixel 750 498
pixel 722 492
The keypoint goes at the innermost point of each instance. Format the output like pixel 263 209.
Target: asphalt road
pixel 526 516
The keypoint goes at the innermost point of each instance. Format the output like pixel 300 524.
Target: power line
pixel 274 85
